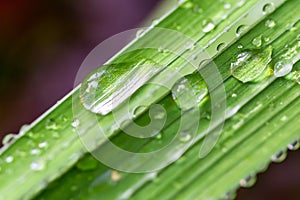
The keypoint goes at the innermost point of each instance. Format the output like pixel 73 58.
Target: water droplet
pixel 37 165
pixel 9 159
pixel 294 145
pixel 229 196
pixel 158 136
pixel 270 23
pixel 284 118
pixel 257 41
pixel 187 5
pixel 234 95
pixel 185 136
pixel 189 91
pixel 252 65
pixel 24 129
pixel 139 33
pixel 294 76
pixel 268 8
pixel 116 83
pixel 207 25
pixel 43 145
pixel 155 22
pixel 9 139
pixel 248 181
pixel 221 46
pixel 35 151
pixel 52 125
pixel 227 5
pixel 115 176
pixel 240 30
pixel 240 46
pixel 75 123
pixel 279 157
pixel 282 68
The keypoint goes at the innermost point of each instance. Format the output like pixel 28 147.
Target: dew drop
pixel 9 159
pixel 221 46
pixel 252 65
pixel 257 41
pixel 270 23
pixel 240 46
pixel 52 125
pixel 37 165
pixel 187 5
pixel 279 157
pixel 75 123
pixel 9 139
pixel 158 136
pixel 284 118
pixel 268 8
pixel 43 145
pixel 227 5
pixel 185 136
pixel 240 30
pixel 24 129
pixel 282 68
pixel 294 145
pixel 116 83
pixel 248 181
pixel 139 33
pixel 35 151
pixel 207 25
pixel 189 91
pixel 234 95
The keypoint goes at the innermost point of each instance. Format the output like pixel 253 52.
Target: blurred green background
pixel 42 45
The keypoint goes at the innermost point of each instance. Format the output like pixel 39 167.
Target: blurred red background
pixel 42 45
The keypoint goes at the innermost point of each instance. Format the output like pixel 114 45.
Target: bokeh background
pixel 42 45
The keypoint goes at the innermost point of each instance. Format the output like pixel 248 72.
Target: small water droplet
pixel 240 46
pixel 185 136
pixel 43 144
pixel 270 23
pixel 9 159
pixel 52 125
pixel 115 176
pixel 227 5
pixel 9 139
pixel 234 95
pixel 75 123
pixel 35 151
pixel 284 118
pixel 251 65
pixel 248 181
pixel 155 22
pixel 221 46
pixel 37 165
pixel 294 145
pixel 24 129
pixel 158 136
pixel 268 8
pixel 187 5
pixel 257 41
pixel 282 68
pixel 139 33
pixel 279 157
pixel 240 30
pixel 207 25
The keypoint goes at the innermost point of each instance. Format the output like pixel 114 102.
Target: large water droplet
pixel 207 25
pixel 37 165
pixel 282 68
pixel 115 83
pixel 189 91
pixel 279 157
pixel 252 65
pixel 240 30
